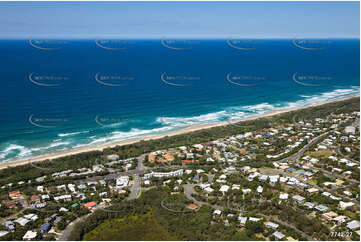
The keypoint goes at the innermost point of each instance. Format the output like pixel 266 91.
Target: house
pixel 62 209
pixel 283 196
pixel 31 216
pixel 245 191
pixel 34 199
pixel 9 225
pixel 30 235
pixel 192 206
pixel 40 205
pixel 164 174
pixel 253 219
pixel 259 189
pixel 353 225
pixel 340 219
pixel 350 130
pixel 309 205
pixel 45 197
pixel 273 179
pixel 263 178
pixel 22 221
pixel 271 225
pixel 113 157
pixel 45 228
pixel 329 216
pixel 299 199
pixel 15 194
pixel 278 235
pixel 40 188
pixel 122 182
pixel 321 208
pixel 3 233
pixel 10 204
pixel 65 197
pixel 217 212
pixel 344 205
pixel 90 205
pixel 242 220
pixel 224 189
pixel 236 187
pixel 209 189
pixel 312 190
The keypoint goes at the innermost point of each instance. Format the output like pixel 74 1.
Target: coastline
pixel 188 129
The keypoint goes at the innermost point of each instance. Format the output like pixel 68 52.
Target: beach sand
pixel 74 151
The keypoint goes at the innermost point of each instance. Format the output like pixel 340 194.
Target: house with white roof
pixel 242 220
pixel 353 225
pixel 344 205
pixel 217 212
pixel 259 189
pixel 283 196
pixel 30 235
pixel 224 189
pixel 22 221
pixel 278 235
pixel 271 225
pixel 298 198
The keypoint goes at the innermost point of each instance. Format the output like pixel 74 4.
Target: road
pixel 65 234
pixel 298 154
pixel 25 206
pixel 189 190
pixel 136 187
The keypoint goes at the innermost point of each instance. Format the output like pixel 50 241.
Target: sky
pixel 82 20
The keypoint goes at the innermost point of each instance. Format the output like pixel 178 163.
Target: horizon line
pixel 172 38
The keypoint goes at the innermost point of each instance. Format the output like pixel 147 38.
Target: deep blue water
pixel 37 118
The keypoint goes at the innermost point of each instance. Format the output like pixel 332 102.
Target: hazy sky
pixel 180 19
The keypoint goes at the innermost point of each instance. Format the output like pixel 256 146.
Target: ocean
pixel 63 94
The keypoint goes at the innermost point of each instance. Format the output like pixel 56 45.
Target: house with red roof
pixel 90 205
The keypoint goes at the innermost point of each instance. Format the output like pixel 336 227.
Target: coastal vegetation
pixel 87 159
pixel 134 216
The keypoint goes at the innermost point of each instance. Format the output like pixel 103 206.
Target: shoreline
pixel 188 129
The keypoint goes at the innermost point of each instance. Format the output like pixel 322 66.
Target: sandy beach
pixel 74 151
